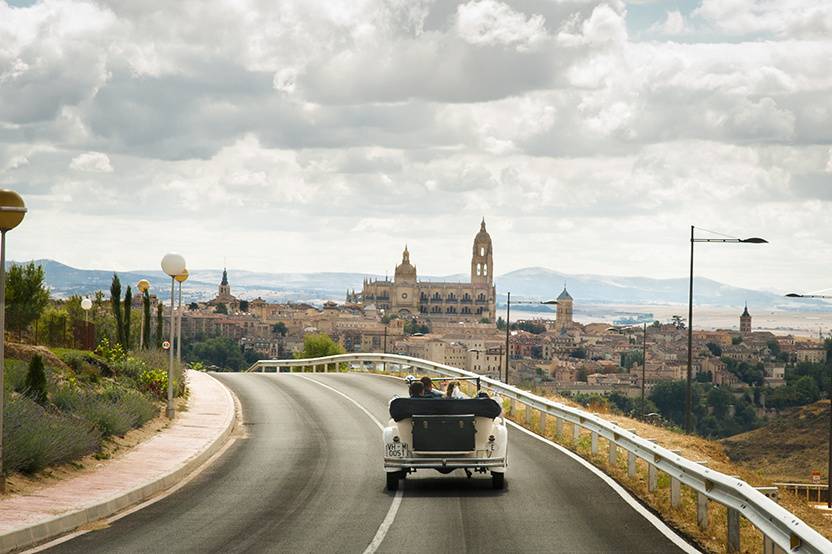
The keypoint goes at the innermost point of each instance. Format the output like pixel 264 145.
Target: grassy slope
pixel 788 448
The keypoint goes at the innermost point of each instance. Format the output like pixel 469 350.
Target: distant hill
pixel 529 283
pixel 787 449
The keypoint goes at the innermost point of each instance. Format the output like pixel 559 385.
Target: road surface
pixel 307 477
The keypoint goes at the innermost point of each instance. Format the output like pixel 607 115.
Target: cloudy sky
pixel 322 135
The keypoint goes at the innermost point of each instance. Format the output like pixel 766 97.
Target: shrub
pixel 36 380
pixel 154 382
pixel 34 438
pixel 111 353
pixel 15 375
pixel 113 410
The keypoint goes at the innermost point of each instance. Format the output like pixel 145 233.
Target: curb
pixel 32 535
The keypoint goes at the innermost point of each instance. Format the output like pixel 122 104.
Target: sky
pixel 311 135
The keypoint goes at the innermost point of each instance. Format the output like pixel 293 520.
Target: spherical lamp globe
pixel 86 303
pixel 173 264
pixel 182 277
pixel 143 285
pixel 12 209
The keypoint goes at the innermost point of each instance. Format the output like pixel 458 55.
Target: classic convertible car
pixel 445 434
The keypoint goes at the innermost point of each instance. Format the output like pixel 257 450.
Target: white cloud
pixel 93 162
pixel 491 22
pixel 673 24
pixel 324 123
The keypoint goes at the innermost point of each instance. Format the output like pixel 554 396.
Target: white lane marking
pixel 622 492
pixel 397 499
pixel 237 433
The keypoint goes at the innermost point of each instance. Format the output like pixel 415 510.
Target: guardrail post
pixel 542 423
pixel 528 410
pixel 675 492
pixel 631 465
pixel 769 547
pixel 733 530
pixel 511 406
pixel 612 455
pixel 576 433
pixel 701 510
pixel 594 443
pixel 652 477
pixel 558 428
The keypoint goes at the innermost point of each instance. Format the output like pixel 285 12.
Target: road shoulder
pixel 147 470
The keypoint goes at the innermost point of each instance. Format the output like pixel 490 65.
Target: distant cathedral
pixel 224 295
pixel 407 296
pixel 745 322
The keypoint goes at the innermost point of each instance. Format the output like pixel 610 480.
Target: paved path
pixel 308 478
pixel 137 474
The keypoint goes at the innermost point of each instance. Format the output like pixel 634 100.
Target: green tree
pixel 501 323
pixel 715 349
pixel 146 318
pixel 26 296
pixel 128 315
pixel 53 324
pixel 219 351
pixel 221 309
pixel 244 306
pixel 578 353
pixel 319 345
pixel 806 390
pixel 280 328
pixel 36 380
pixel 115 302
pixel 159 325
pixel 736 340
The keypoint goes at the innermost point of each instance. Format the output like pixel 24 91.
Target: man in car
pixel 427 383
pixel 416 389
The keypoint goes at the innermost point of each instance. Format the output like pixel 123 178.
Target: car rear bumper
pixel 440 463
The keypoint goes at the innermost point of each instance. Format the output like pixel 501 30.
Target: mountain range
pixel 533 283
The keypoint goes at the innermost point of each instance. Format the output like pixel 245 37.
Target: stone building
pixel 224 296
pixel 407 296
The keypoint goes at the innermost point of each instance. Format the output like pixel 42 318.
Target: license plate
pixel 396 450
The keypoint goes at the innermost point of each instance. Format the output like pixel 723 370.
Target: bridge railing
pixel 782 530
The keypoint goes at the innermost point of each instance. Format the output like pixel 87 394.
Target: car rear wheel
pixel 498 480
pixel 393 480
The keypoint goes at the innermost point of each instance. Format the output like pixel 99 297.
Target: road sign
pixel 816 477
pixel 166 345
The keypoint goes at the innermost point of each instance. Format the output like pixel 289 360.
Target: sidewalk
pixel 148 469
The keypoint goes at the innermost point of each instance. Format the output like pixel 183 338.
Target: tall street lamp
pixel 143 285
pixel 173 264
pixel 12 211
pixel 688 396
pixel 829 395
pixel 181 278
pixel 508 325
pixel 643 361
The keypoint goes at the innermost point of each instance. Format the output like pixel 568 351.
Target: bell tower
pixel 482 262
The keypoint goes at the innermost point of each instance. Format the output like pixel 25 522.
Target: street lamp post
pixel 829 395
pixel 143 285
pixel 508 325
pixel 172 264
pixel 181 278
pixel 688 388
pixel 12 211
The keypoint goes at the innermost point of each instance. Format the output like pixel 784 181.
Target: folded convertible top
pixel 403 408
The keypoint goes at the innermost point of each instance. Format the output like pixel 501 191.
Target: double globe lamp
pixel 173 264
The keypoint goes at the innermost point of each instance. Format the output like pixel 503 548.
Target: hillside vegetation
pixel 788 448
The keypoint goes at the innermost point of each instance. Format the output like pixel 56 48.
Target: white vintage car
pixel 445 434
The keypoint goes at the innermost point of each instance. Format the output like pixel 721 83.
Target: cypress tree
pixel 146 316
pixel 36 380
pixel 159 325
pixel 115 300
pixel 128 311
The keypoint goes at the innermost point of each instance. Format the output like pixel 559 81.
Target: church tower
pixel 564 315
pixel 745 322
pixel 482 262
pixel 225 288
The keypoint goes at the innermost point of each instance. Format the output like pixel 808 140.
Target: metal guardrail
pixel 809 490
pixel 778 526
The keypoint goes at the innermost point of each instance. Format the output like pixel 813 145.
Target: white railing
pixel 778 526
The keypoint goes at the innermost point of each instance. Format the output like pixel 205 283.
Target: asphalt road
pixel 307 477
